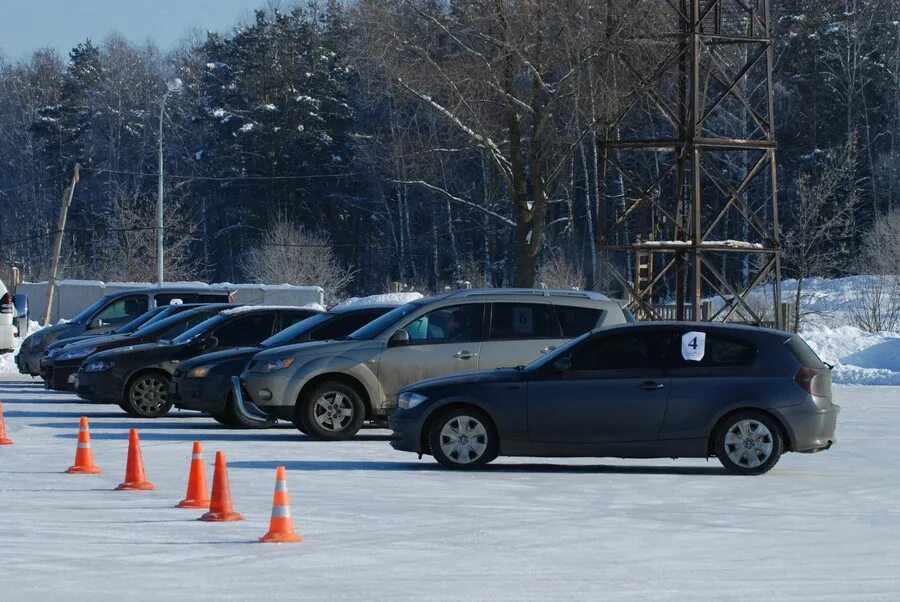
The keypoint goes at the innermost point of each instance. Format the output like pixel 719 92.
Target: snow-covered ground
pixel 380 524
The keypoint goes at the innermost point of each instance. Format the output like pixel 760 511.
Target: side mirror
pixel 399 339
pixel 210 342
pixel 20 302
pixel 95 323
pixel 563 364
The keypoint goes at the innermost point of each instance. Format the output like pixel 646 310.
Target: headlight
pixel 273 365
pixel 76 353
pixel 99 366
pixel 409 400
pixel 198 372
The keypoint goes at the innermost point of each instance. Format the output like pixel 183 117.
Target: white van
pixel 8 328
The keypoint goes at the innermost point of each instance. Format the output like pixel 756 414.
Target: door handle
pixel 464 355
pixel 650 385
pixel 548 349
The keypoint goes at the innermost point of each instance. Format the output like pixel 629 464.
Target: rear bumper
pixel 812 427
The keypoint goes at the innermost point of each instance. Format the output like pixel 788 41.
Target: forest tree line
pixel 411 141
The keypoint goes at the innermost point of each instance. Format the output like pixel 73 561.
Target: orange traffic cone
pixel 220 508
pixel 84 456
pixel 281 527
pixel 134 470
pixel 3 439
pixel 196 496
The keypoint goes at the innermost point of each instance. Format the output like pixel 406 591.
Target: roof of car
pixel 707 326
pixel 242 309
pixel 346 309
pixel 521 292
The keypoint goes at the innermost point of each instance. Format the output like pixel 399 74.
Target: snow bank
pixel 251 308
pixel 859 357
pixel 383 299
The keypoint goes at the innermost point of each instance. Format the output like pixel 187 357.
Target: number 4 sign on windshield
pixel 693 345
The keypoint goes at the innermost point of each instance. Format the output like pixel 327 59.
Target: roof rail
pixel 538 292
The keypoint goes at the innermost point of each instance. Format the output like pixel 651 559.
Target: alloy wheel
pixel 333 411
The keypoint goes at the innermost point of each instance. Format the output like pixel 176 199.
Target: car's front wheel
pixel 332 411
pixel 749 443
pixel 148 395
pixel 463 438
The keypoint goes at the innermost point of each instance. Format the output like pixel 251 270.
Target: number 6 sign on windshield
pixel 693 345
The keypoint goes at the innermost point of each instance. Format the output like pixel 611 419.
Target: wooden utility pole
pixel 57 245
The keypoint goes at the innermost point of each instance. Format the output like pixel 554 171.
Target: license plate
pixel 72 378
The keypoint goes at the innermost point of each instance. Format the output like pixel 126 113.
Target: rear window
pixel 803 352
pixel 575 321
pixel 523 321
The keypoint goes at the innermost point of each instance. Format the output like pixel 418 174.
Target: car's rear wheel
pixel 332 411
pixel 749 443
pixel 148 395
pixel 463 438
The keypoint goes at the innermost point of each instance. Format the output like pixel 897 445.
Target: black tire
pixel 332 411
pixel 466 424
pixel 749 443
pixel 234 418
pixel 147 395
pixel 127 409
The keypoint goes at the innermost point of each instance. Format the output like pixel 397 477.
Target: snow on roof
pixel 383 299
pixel 251 308
pixel 735 244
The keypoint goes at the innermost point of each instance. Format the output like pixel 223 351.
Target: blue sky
pixel 26 25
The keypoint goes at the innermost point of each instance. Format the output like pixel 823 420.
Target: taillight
pixel 804 378
pixel 6 304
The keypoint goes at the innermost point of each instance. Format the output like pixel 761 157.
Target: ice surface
pixel 382 525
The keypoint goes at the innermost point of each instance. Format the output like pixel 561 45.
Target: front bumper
pixel 405 436
pixel 203 394
pixel 28 362
pixel 59 377
pixel 98 387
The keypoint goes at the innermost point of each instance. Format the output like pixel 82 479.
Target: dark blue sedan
pixel 654 390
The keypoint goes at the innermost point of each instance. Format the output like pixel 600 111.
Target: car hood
pixel 147 348
pixel 219 357
pixel 499 375
pixel 95 341
pixel 50 334
pixel 313 349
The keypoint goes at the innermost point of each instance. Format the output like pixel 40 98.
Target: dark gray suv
pixel 655 390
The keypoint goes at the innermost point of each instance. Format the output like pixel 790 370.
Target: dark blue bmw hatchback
pixel 743 394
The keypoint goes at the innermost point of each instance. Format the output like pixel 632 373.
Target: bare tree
pixel 881 248
pixel 288 253
pixel 558 272
pixel 126 245
pixel 823 220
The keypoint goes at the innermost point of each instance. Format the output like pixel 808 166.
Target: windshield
pixel 202 328
pixel 559 351
pixel 287 336
pixel 139 321
pixel 93 308
pixel 377 327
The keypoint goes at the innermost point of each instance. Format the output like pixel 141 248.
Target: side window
pixel 289 318
pixel 454 324
pixel 625 351
pixel 246 330
pixel 167 298
pixel 722 352
pixel 576 321
pixel 523 321
pixel 342 326
pixel 184 325
pixel 122 310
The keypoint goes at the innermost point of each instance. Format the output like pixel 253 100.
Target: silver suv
pixel 327 389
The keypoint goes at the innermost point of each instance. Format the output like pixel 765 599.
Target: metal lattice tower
pixel 689 158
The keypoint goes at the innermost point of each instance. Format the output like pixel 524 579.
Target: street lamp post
pixel 173 85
